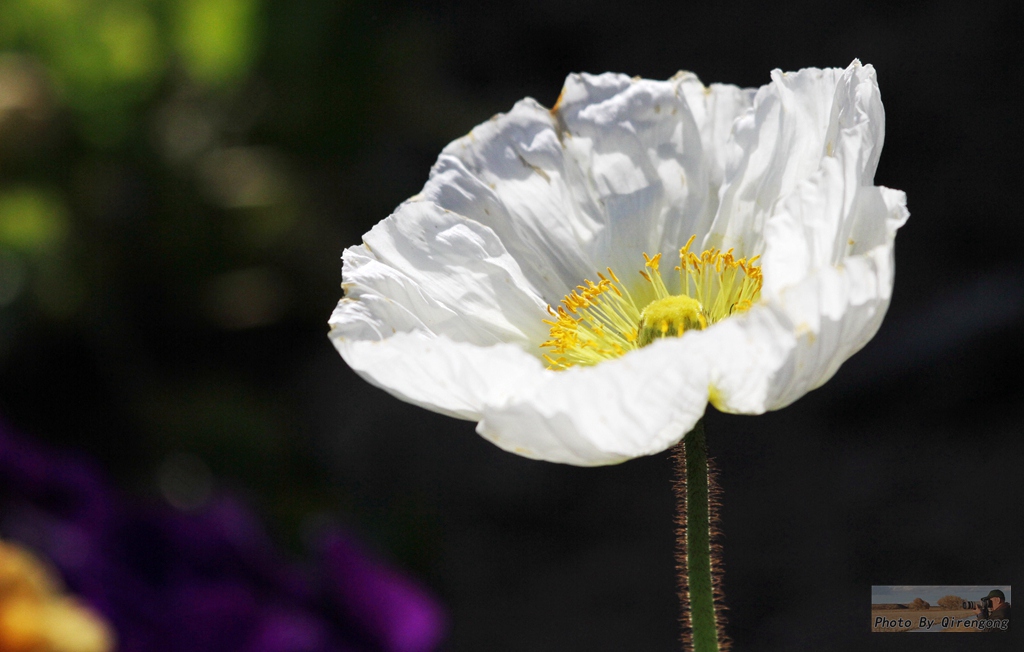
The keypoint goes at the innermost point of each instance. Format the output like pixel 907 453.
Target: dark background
pixel 178 180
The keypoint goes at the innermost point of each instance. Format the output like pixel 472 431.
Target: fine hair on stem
pixel 688 525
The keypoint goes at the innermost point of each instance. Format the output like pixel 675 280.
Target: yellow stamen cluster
pixel 721 283
pixel 600 321
pixel 597 321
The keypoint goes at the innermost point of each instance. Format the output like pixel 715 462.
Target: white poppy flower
pixel 472 299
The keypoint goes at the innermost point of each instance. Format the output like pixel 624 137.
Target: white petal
pixel 828 246
pixel 746 352
pixel 646 126
pixel 510 174
pixel 639 404
pixel 452 273
pixel 798 120
pixel 827 315
pixel 436 373
pixel 644 402
pixel 838 309
pixel 834 314
pixel 425 292
pixel 715 109
pixel 619 167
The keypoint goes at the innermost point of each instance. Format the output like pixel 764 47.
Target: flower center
pixel 604 320
pixel 672 315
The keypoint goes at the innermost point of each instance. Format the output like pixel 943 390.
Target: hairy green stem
pixel 698 581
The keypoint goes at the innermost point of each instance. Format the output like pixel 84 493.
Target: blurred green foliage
pixel 105 57
pixel 216 39
pixel 177 181
pixel 31 220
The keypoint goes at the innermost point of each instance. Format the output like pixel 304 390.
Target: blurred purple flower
pixel 168 580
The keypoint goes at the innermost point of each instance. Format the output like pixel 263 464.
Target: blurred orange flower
pixel 37 616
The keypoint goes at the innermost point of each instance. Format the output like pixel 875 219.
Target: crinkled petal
pixel 827 240
pixel 795 122
pixel 715 109
pixel 440 272
pixel 618 167
pixel 813 222
pixel 510 174
pixel 638 148
pixel 424 293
